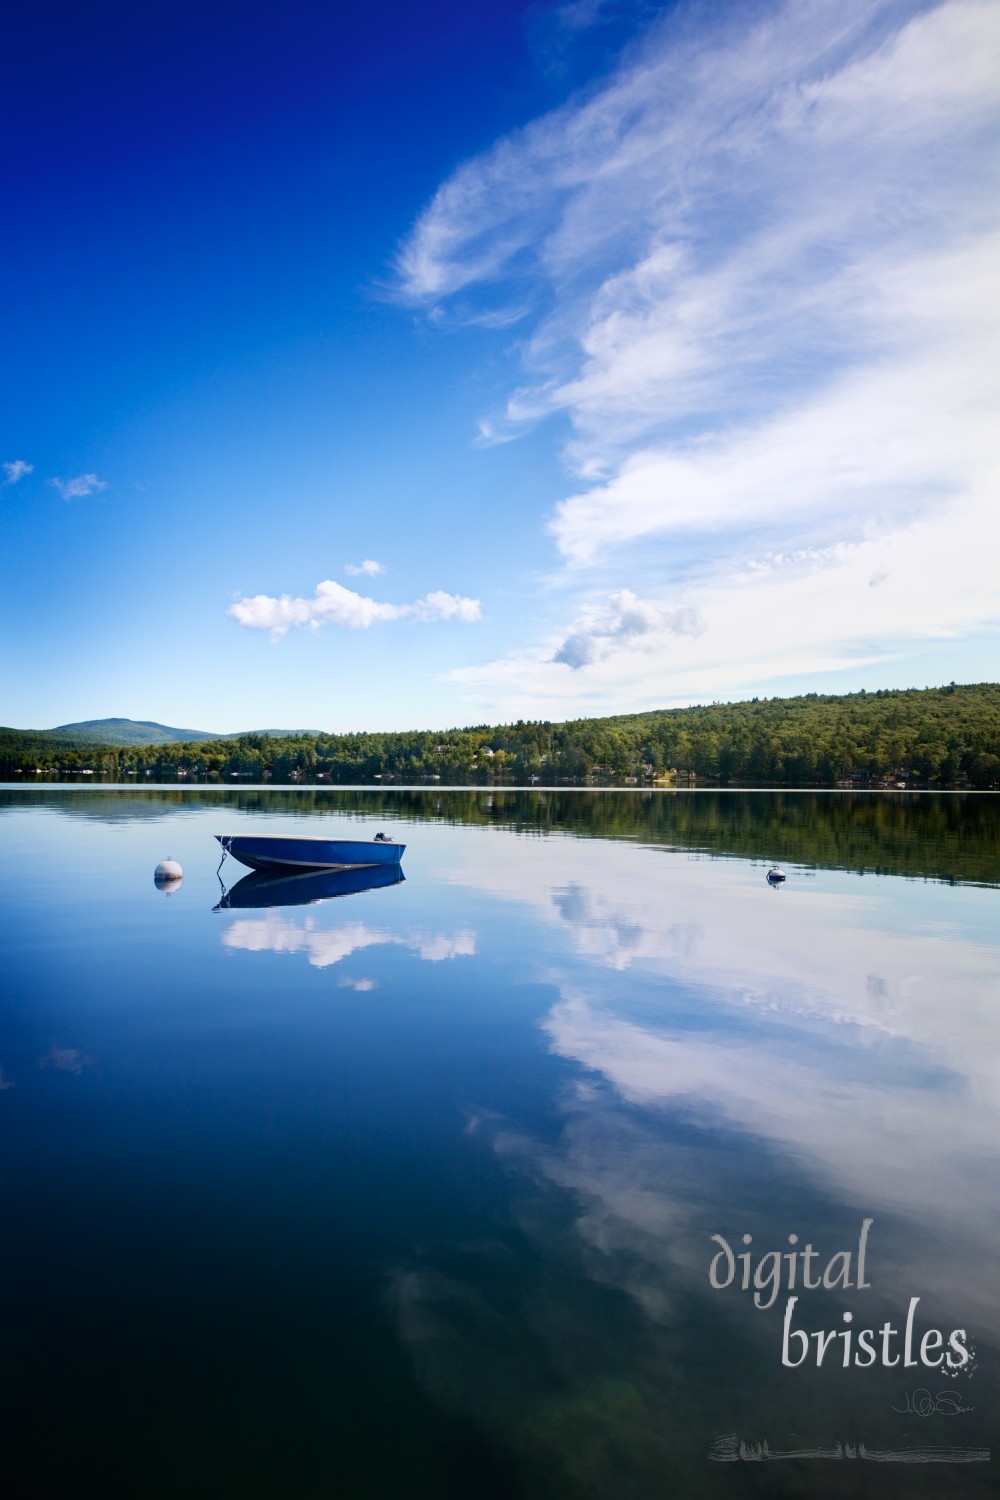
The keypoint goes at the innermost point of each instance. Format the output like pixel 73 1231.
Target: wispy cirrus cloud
pixel 16 470
pixel 763 258
pixel 898 432
pixel 78 488
pixel 332 604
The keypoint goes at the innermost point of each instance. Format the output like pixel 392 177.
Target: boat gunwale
pixel 303 839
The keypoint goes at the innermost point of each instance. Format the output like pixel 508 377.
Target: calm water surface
pixel 412 1192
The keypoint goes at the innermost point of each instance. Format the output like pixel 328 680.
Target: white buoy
pixel 775 876
pixel 168 869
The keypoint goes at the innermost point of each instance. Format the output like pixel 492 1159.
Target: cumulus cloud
pixel 762 260
pixel 369 567
pixel 332 604
pixel 76 489
pixel 622 623
pixel 16 470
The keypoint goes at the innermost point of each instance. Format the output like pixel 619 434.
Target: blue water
pixel 412 1192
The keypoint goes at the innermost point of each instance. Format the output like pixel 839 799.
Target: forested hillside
pixel 932 736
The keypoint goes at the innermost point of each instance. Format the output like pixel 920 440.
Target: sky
pixel 414 366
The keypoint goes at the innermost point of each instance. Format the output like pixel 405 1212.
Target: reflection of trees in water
pixel 953 837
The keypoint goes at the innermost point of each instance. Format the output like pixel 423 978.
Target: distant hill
pixel 126 732
pixel 146 732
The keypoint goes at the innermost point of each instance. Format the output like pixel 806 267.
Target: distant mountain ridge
pixel 126 732
pixel 146 732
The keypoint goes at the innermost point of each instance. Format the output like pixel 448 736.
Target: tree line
pixel 948 736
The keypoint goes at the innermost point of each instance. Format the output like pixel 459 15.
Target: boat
pixel 278 887
pixel 289 853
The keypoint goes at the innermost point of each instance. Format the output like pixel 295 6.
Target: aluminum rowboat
pixel 284 852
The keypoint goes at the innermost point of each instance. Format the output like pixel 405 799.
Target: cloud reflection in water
pixel 325 946
pixel 743 1061
pixel 845 1025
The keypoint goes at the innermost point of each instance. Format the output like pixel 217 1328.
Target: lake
pixel 448 1190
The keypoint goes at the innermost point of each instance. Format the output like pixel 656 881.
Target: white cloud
pixel 897 434
pixel 332 604
pixel 75 489
pixel 16 470
pixel 792 614
pixel 369 567
pixel 438 605
pixel 623 622
pixel 763 259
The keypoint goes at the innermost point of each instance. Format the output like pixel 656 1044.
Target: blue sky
pixel 430 365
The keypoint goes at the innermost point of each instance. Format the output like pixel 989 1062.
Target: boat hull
pixel 275 852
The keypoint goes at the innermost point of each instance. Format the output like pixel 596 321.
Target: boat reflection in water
pixel 263 888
